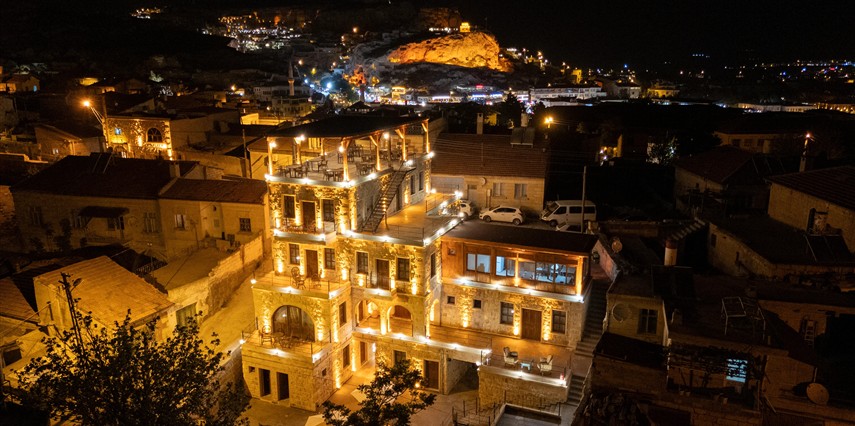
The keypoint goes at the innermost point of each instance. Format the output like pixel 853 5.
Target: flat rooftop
pixel 536 239
pixel 346 126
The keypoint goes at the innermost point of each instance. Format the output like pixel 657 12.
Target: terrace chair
pixel 298 280
pixel 511 358
pixel 545 365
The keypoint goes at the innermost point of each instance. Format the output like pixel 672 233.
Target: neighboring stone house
pixel 818 201
pixel 158 207
pixel 107 291
pixel 685 349
pixel 19 83
pixel 492 170
pixel 724 180
pixel 58 140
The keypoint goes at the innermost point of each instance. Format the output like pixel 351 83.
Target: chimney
pixel 806 162
pixel 676 317
pixel 670 252
pixel 174 170
pixel 524 120
pixel 479 127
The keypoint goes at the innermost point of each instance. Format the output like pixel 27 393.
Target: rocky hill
pixel 469 50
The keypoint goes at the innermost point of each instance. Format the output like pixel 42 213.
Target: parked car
pixel 503 214
pixel 568 211
pixel 465 208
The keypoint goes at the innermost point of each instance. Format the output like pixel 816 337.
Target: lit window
pixel 117 131
pixel 505 266
pixel 478 262
pixel 153 135
pixel 294 254
pixel 737 370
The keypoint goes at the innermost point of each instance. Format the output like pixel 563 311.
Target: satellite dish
pixel 617 246
pixel 817 394
pixel 621 312
pixel 483 181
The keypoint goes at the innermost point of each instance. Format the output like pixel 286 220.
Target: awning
pixel 100 211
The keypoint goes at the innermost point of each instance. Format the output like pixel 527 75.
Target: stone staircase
pixel 594 319
pixel 387 194
pixel 687 230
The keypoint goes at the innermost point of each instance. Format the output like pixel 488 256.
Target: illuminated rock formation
pixel 470 50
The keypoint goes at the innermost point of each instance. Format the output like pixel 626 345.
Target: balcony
pixel 331 169
pixel 284 282
pixel 278 344
pixel 306 232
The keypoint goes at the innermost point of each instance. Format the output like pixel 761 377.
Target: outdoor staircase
pixel 387 194
pixel 594 319
pixel 687 230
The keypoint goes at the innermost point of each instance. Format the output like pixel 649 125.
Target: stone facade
pixel 793 208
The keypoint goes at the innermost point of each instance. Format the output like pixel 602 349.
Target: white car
pixel 502 214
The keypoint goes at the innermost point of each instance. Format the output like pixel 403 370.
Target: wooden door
pixel 363 352
pixel 432 374
pixel 284 391
pixel 531 323
pixel 383 274
pixel 309 219
pixel 312 264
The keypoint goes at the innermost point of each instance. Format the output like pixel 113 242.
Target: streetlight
pixel 98 116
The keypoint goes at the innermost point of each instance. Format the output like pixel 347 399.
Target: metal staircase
pixel 387 194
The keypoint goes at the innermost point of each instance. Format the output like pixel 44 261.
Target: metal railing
pixel 272 340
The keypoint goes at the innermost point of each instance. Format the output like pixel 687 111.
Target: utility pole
pixel 584 187
pixel 75 324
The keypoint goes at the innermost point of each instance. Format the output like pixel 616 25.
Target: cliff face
pixel 470 50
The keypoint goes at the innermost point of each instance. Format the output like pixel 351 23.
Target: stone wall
pixel 455 370
pixel 9 239
pixel 497 389
pixel 793 208
pixel 487 318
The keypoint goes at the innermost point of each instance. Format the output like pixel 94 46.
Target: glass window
pixel 400 356
pixel 35 215
pixel 361 262
pixel 527 270
pixel 559 322
pixel 117 131
pixel 520 191
pixel 149 222
pixel 478 262
pixel 421 181
pixel 245 224
pixel 555 273
pixel 294 254
pixel 412 184
pixel 116 223
pixel 505 267
pixel 647 321
pixel 402 271
pixel 433 265
pixel 506 316
pixel 153 135
pixel 737 370
pixel 329 258
pixel 342 314
pixel 449 300
pixel 498 189
pixel 180 221
pixel 476 303
pixel 345 356
pixel 288 204
pixel 328 210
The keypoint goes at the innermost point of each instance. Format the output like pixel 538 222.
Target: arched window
pixel 293 322
pixel 153 135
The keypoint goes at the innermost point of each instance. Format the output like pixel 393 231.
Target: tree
pixel 391 398
pixel 126 376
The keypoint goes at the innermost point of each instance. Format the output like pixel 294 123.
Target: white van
pixel 568 211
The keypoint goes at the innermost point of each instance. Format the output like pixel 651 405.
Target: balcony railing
pixel 526 366
pixel 279 341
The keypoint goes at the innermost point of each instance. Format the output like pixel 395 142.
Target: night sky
pixel 648 32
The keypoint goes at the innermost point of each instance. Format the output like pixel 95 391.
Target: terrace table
pixel 334 174
pixel 526 363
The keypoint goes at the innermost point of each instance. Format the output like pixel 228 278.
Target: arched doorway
pixel 400 320
pixel 294 323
